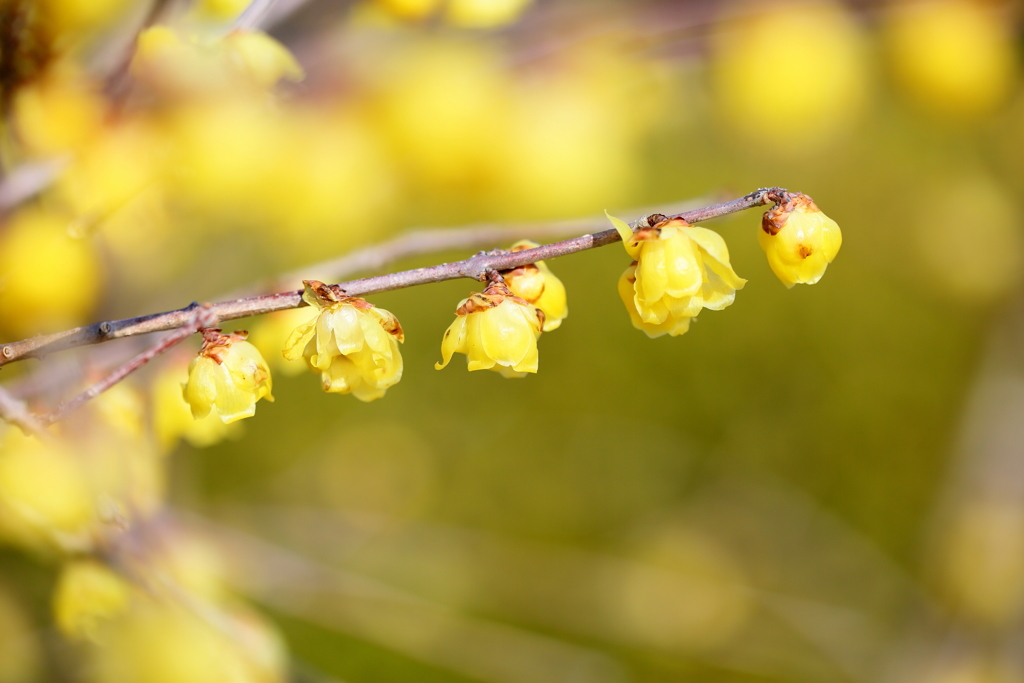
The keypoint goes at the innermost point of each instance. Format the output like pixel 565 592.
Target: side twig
pixel 15 412
pixel 202 317
pixel 474 268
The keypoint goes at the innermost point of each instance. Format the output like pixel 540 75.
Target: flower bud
pixel 539 286
pixel 88 593
pixel 799 240
pixel 351 343
pixel 229 374
pixel 497 330
pixel 678 271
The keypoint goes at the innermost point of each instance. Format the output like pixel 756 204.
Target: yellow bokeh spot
pixel 45 498
pixel 790 69
pixel 973 261
pixel 982 562
pixel 484 13
pixel 88 594
pixel 82 15
pixel 219 10
pixel 412 10
pixel 58 112
pixel 48 280
pixel 150 644
pixel 954 56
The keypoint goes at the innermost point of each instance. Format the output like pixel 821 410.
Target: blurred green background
pixel 817 484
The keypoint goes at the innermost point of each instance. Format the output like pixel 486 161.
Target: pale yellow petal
pixel 453 340
pixel 626 233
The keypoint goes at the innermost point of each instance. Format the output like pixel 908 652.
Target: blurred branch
pixel 436 634
pixel 27 180
pixel 475 268
pixel 17 413
pixel 201 318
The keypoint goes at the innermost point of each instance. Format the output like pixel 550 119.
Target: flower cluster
pixel 678 270
pixel 351 343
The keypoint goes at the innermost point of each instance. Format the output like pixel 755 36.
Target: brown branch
pixel 202 317
pixel 474 268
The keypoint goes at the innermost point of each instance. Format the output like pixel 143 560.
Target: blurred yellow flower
pixel 58 112
pixel 679 270
pixel 410 9
pixel 87 594
pixel 496 330
pixel 182 63
pixel 80 16
pixel 162 642
pixel 792 68
pixel 219 10
pixel 263 58
pixel 800 240
pixel 37 255
pixel 229 374
pixel 352 343
pixel 538 286
pixel 954 56
pixel 485 13
pixel 46 501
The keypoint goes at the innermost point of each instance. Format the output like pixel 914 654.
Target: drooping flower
pixel 539 286
pixel 228 375
pixel 497 330
pixel 799 240
pixel 678 270
pixel 352 343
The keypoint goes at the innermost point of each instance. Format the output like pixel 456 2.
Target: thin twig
pixel 201 318
pixel 17 413
pixel 474 268
pixel 26 181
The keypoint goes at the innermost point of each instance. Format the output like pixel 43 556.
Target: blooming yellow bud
pixel 539 286
pixel 229 374
pixel 678 270
pixel 799 239
pixel 497 330
pixel 352 343
pixel 87 593
pixel 172 419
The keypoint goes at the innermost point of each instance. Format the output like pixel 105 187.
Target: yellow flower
pixel 87 594
pixel 539 286
pixel 172 419
pixel 799 239
pixel 678 270
pixel 352 343
pixel 497 331
pixel 264 59
pixel 229 374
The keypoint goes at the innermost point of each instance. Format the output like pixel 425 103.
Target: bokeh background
pixel 817 484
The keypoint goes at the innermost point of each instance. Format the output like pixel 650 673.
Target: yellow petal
pixel 626 233
pixel 453 340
